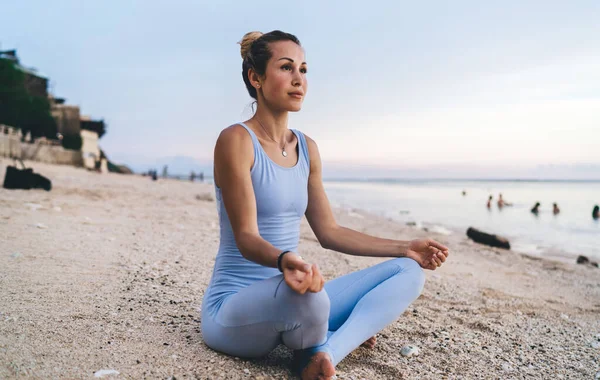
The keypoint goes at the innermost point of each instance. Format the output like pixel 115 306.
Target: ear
pixel 254 78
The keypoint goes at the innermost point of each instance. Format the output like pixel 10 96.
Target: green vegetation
pixel 20 109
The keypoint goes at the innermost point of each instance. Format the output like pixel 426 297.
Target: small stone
pixel 506 367
pixel 595 344
pixel 41 226
pixel 33 206
pixel 564 316
pixel 597 377
pixel 246 371
pixel 15 255
pixel 409 351
pixel 206 197
pixel 105 372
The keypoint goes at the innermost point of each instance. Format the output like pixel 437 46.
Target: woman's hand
pixel 427 252
pixel 301 276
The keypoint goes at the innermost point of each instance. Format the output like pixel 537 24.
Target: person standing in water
pixel 536 208
pixel 267 176
pixel 489 202
pixel 596 212
pixel 555 209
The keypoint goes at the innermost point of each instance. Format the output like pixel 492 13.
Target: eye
pixel 286 67
pixel 304 70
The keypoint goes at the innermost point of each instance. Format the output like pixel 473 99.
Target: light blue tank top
pixel 281 200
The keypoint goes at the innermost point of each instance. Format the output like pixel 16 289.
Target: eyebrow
pixel 289 59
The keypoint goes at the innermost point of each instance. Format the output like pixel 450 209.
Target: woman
pixel 267 176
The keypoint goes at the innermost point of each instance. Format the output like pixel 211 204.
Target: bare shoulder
pixel 313 152
pixel 234 143
pixel 313 149
pixel 234 135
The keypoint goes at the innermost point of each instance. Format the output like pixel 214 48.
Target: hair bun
pixel 247 41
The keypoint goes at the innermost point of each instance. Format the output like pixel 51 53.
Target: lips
pixel 297 95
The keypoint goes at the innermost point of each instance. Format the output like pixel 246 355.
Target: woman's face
pixel 284 85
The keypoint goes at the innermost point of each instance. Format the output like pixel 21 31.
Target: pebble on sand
pixel 105 372
pixel 409 351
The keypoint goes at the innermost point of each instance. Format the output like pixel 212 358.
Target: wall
pixel 41 150
pixel 89 148
pixel 51 154
pixel 10 142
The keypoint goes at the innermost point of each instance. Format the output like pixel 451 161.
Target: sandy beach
pixel 107 272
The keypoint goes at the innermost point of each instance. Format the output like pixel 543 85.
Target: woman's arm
pixel 335 237
pixel 234 155
pixel 233 158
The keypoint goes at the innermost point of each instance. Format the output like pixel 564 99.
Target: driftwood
pixel 487 239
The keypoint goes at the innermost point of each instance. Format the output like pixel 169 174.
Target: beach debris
pixel 105 372
pixel 247 371
pixel 412 224
pixel 206 197
pixel 506 367
pixel 441 230
pixel 355 215
pixel 583 260
pixel 41 226
pixel 15 255
pixel 33 206
pixel 409 351
pixel 87 220
pixel 487 239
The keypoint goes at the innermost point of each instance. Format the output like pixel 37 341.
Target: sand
pixel 105 274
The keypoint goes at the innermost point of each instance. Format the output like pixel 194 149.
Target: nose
pixel 297 79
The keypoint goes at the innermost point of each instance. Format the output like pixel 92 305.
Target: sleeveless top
pixel 281 199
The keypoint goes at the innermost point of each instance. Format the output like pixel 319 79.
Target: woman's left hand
pixel 427 252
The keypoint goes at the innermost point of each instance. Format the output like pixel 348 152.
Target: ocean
pixel 440 206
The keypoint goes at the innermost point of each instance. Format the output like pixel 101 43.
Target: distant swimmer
pixel 489 204
pixel 502 202
pixel 555 209
pixel 596 212
pixel 536 208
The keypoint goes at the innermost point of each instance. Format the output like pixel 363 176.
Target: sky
pixel 460 87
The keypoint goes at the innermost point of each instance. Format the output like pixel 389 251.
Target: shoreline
pixel 107 272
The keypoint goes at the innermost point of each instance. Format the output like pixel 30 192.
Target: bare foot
pixel 319 367
pixel 369 343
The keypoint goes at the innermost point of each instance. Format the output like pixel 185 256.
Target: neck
pixel 276 123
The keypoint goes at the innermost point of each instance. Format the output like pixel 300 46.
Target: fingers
pixel 441 247
pixel 317 280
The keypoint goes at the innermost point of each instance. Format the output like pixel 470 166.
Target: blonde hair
pixel 246 43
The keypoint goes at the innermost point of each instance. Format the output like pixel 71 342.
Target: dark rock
pixel 582 260
pixel 487 239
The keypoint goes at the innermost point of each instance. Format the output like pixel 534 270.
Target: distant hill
pixel 184 165
pixel 177 165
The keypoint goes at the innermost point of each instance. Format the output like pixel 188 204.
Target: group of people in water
pixel 536 208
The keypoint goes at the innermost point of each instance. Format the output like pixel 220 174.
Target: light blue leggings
pixel 350 310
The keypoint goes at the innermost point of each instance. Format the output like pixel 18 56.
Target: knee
pixel 311 308
pixel 414 272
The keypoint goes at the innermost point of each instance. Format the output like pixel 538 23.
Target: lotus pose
pixel 262 292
